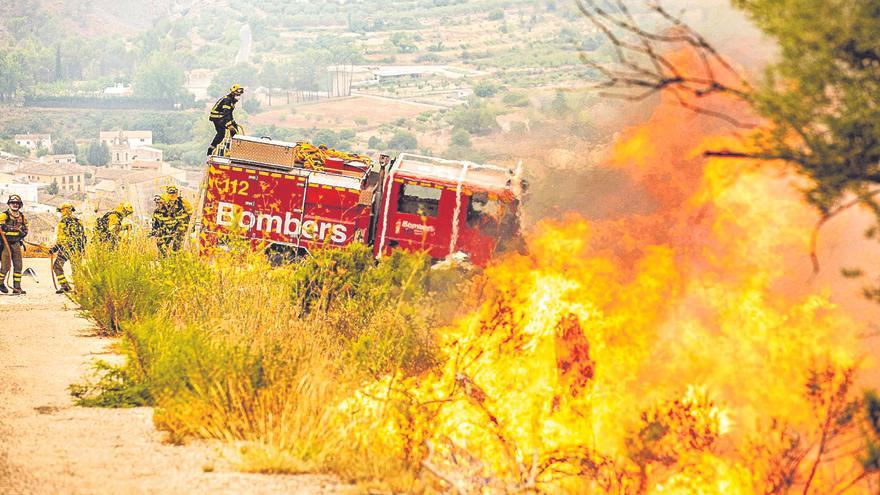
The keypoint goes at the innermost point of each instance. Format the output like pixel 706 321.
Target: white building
pixel 29 192
pixel 118 90
pixel 131 138
pixel 34 141
pixel 57 159
pixel 198 81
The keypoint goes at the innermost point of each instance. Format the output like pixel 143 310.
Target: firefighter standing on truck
pixel 14 229
pixel 70 241
pixel 109 226
pixel 170 221
pixel 221 116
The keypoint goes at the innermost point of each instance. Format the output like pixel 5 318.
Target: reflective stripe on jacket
pixel 222 110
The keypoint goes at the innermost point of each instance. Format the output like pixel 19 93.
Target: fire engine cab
pixel 293 198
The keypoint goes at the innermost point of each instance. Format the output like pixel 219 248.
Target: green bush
pixel 114 285
pixel 403 141
pixel 516 99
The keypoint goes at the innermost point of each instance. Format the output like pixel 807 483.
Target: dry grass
pixel 265 358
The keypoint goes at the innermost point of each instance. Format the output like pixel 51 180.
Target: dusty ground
pixel 48 445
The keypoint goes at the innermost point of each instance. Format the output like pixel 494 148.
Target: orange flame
pixel 658 353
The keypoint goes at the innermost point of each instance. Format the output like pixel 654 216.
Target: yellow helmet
pixel 171 190
pixel 66 206
pixel 126 208
pixel 236 88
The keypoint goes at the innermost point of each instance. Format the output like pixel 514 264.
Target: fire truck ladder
pixel 302 212
pixel 195 225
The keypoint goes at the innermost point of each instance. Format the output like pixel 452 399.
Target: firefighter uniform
pixel 70 241
pixel 170 221
pixel 221 116
pixel 15 228
pixel 109 226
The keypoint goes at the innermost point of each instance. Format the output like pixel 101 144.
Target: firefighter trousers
pixel 58 267
pixel 220 127
pixel 167 244
pixel 14 252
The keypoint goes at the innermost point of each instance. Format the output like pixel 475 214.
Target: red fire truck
pixel 292 198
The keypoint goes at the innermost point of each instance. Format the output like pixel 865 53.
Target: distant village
pixel 136 174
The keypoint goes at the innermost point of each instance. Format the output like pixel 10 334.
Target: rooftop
pixel 50 169
pixel 32 136
pixel 120 176
pixel 147 148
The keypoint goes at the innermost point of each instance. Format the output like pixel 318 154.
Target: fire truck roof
pixel 475 176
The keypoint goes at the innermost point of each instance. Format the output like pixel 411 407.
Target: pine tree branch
pixel 814 237
pixel 640 63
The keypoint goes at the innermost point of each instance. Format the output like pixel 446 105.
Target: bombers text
pixel 288 225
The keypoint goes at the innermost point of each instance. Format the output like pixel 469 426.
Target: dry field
pixel 340 113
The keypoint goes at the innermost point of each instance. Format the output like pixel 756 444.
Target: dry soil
pixel 50 446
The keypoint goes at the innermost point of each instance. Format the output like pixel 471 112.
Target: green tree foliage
pixel 326 137
pixel 403 141
pixel 251 105
pixel 63 146
pixel 53 188
pixel 347 135
pixel 244 74
pixel 98 154
pixel 823 95
pixel 10 146
pixel 159 78
pixel 477 118
pixel 403 42
pixel 485 89
pixel 516 99
pixel 460 137
pixel 12 73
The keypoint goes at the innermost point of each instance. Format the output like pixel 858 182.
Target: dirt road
pixel 49 446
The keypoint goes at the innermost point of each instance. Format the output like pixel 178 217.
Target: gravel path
pixel 49 446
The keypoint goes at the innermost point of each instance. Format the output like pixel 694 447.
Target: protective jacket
pixel 222 111
pixel 15 227
pixel 70 235
pixel 108 226
pixel 171 217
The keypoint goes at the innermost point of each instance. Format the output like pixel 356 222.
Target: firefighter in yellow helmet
pixel 70 241
pixel 110 226
pixel 171 220
pixel 221 116
pixel 13 229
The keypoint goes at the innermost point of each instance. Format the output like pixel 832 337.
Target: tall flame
pixel 654 353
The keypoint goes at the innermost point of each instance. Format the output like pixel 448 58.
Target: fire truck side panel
pixel 267 206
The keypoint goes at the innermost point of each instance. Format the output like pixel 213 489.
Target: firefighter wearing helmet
pixel 171 220
pixel 221 116
pixel 109 226
pixel 13 230
pixel 70 241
